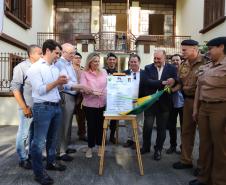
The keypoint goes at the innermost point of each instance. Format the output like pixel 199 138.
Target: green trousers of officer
pixel 212 131
pixel 188 133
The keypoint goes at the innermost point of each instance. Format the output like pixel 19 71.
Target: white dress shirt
pixel 160 70
pixel 136 81
pixel 40 74
pixel 66 68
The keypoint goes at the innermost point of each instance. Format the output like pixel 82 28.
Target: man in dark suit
pixel 158 75
pixel 138 76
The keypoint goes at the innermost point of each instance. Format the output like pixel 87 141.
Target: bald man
pixel 68 94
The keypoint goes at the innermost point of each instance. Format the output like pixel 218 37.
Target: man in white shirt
pixel 21 88
pixel 45 80
pixel 137 78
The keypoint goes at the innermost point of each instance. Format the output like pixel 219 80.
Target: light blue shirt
pixel 66 68
pixel 21 83
pixel 178 99
pixel 40 74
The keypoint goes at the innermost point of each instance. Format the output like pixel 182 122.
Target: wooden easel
pixel 133 121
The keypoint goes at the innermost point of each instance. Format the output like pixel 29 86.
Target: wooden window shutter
pixel 146 48
pixel 29 12
pixel 13 61
pixel 8 5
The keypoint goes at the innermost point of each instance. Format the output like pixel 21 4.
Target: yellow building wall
pixel 189 21
pixel 42 21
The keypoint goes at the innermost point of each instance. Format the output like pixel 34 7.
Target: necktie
pixel 134 76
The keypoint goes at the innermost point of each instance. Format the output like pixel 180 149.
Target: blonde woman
pixel 94 103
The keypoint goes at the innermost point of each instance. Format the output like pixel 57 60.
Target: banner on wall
pixel 1 14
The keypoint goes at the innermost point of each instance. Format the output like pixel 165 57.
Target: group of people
pixel 50 86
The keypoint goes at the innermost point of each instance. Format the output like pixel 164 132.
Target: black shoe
pixel 71 150
pixel 25 164
pixel 178 152
pixel 144 150
pixel 112 140
pixel 133 146
pixel 196 172
pixel 55 167
pixel 128 143
pixel 179 165
pixel 66 157
pixel 171 150
pixel 44 179
pixel 196 182
pixel 157 155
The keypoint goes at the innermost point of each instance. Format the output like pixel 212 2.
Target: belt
pixel 50 103
pixel 212 102
pixel 69 93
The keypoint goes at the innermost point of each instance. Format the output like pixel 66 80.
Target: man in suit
pixel 138 77
pixel 158 75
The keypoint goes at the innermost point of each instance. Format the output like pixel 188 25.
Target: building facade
pixel 120 26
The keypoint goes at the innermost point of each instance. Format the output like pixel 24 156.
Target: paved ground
pixel 121 167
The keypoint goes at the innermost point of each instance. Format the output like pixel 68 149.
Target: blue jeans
pixel 47 120
pixel 23 138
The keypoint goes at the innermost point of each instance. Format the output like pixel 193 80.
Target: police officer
pixel 188 78
pixel 210 105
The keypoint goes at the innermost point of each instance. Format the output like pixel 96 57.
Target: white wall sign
pixel 119 96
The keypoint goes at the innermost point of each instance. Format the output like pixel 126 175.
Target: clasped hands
pixel 169 82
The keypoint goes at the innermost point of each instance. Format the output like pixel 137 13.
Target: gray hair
pixel 30 49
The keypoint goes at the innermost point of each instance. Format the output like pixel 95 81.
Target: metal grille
pixel 172 44
pixel 115 41
pixel 7 62
pixel 59 37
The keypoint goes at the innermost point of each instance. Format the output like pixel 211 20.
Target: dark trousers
pixel 173 124
pixel 112 128
pixel 161 123
pixel 95 119
pixel 81 121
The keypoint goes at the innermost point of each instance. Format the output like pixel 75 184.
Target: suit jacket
pixel 151 84
pixel 142 77
pixel 110 71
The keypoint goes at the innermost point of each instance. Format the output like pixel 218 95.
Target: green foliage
pixel 203 48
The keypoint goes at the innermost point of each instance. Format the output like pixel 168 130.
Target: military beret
pixel 111 55
pixel 217 41
pixel 189 42
pixel 77 53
